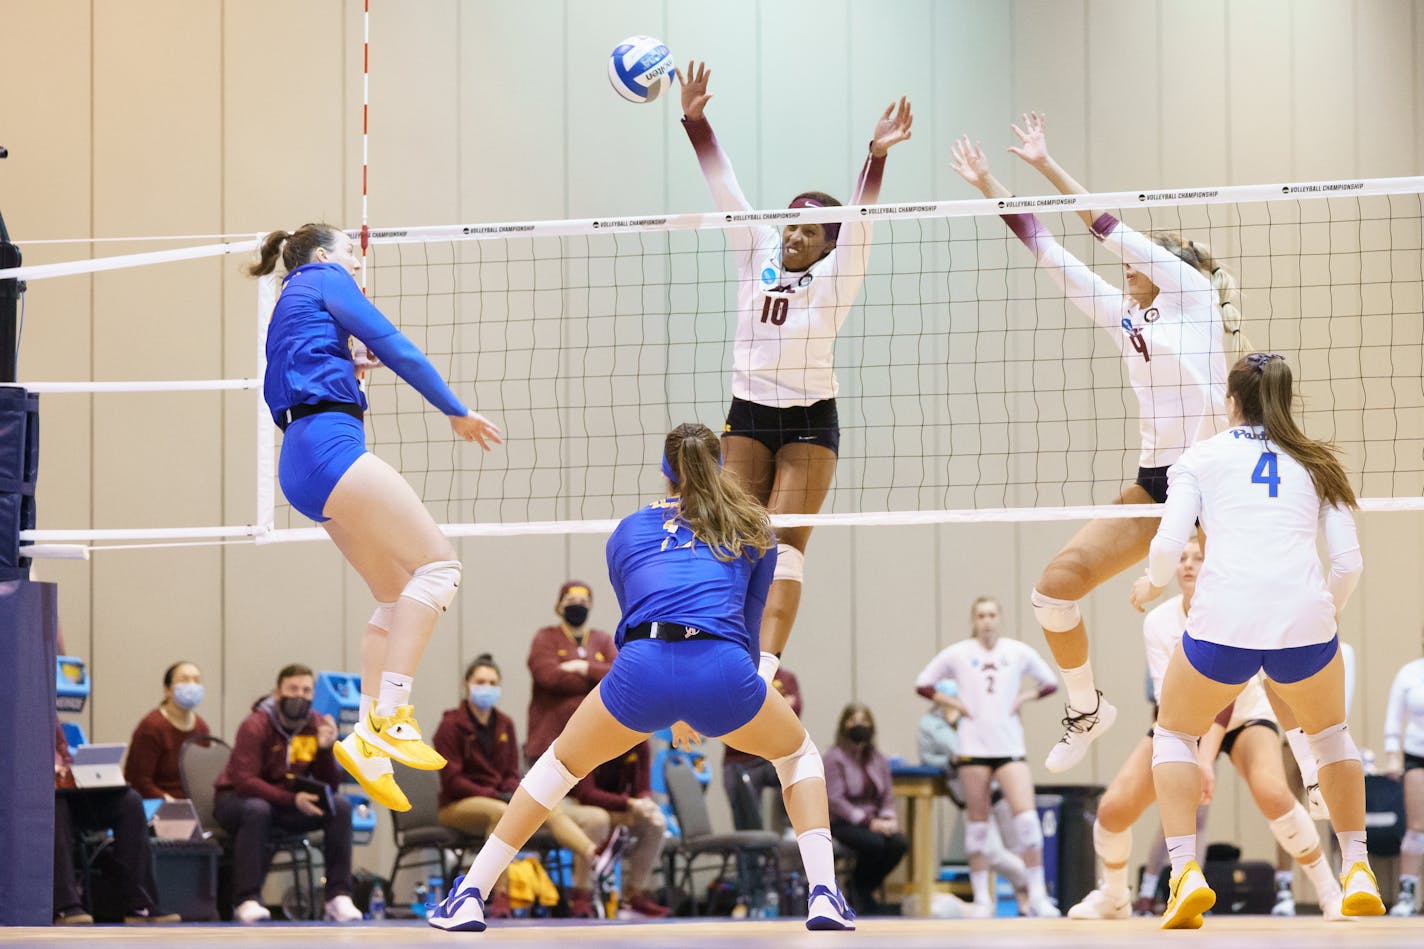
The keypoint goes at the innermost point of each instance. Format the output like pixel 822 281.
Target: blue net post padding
pixel 19 466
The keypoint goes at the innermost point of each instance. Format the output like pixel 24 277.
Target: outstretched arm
pixel 716 166
pixel 892 129
pixel 1033 148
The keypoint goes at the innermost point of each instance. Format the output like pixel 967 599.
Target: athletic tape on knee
pixel 803 763
pixel 1170 747
pixel 1055 615
pixel 548 781
pixel 790 564
pixel 435 584
pixel 1114 847
pixel 1412 844
pixel 381 619
pixel 976 837
pixel 1028 830
pixel 1296 832
pixel 1333 744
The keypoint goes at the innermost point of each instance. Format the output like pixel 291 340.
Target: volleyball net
pixel 971 387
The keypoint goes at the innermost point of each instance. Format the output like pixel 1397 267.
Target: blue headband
pixel 672 476
pixel 1257 361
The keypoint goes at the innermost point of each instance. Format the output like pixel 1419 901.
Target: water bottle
pixel 436 895
pixel 798 895
pixel 773 903
pixel 377 902
pixel 419 899
pixel 1367 759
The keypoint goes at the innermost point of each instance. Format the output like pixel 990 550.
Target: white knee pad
pixel 381 619
pixel 1333 744
pixel 790 564
pixel 435 584
pixel 803 763
pixel 548 781
pixel 976 837
pixel 1001 814
pixel 1412 845
pixel 1028 830
pixel 1168 747
pixel 1055 615
pixel 1296 832
pixel 1114 848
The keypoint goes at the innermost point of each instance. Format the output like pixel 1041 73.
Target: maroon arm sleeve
pixel 643 772
pixel 1224 717
pixel 453 781
pixel 589 793
pixel 598 668
pixel 245 766
pixel 325 768
pixel 544 667
pixel 928 691
pixel 144 750
pixel 791 690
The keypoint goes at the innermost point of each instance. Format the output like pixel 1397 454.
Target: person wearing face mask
pixel 280 743
pixel 481 750
pixel 862 804
pixel 152 764
pixel 567 662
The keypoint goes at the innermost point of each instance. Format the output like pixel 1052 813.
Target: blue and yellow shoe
pixel 1190 898
pixel 398 735
pixel 372 770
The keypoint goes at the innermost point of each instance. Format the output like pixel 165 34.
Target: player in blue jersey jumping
pixel 691 574
pixel 374 516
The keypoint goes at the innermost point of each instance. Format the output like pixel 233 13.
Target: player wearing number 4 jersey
pixel 1263 492
pixel 1168 322
pixel 796 286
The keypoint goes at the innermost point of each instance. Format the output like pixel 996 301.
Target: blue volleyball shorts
pixel 316 451
pixel 1232 665
pixel 711 684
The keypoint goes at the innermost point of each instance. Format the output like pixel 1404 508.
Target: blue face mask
pixel 188 694
pixel 484 697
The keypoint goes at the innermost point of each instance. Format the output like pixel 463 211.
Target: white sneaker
pixel 463 911
pixel 981 911
pixel 340 909
pixel 1315 802
pixel 1080 729
pixel 1285 904
pixel 1100 904
pixel 828 910
pixel 251 911
pixel 1043 907
pixel 1404 906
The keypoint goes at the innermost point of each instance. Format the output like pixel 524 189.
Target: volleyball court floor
pixel 1246 932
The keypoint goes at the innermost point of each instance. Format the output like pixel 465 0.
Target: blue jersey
pixel 662 574
pixel 309 351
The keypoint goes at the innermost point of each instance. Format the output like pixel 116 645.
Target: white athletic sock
pixel 489 863
pixel 1182 850
pixel 1036 889
pixel 395 692
pixel 1320 875
pixel 1148 889
pixel 1082 693
pixel 1114 878
pixel 766 668
pixel 1304 756
pixel 366 703
pixel 1352 848
pixel 979 880
pixel 819 856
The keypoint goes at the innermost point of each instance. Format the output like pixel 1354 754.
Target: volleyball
pixel 641 68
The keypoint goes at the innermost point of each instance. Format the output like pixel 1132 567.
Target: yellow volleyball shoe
pixel 372 770
pixel 398 735
pixel 1190 898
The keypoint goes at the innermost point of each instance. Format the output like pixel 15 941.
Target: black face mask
pixel 859 734
pixel 575 614
pixel 294 709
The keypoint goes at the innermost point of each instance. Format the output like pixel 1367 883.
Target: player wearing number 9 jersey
pixel 1263 492
pixel 796 287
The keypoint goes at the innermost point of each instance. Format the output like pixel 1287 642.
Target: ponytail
pixel 1228 293
pixel 1261 384
pixel 713 503
pixel 295 248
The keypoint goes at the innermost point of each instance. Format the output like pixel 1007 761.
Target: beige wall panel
pixel 823 649
pixel 1323 68
pixel 1259 95
pixel 1385 109
pixel 1050 72
pixel 1193 78
pixel 973 62
pixel 1124 95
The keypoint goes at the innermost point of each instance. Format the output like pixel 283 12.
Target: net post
pixel 10 291
pixel 266 436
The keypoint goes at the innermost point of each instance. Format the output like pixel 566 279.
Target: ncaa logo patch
pixel 768 276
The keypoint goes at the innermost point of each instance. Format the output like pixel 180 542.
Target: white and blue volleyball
pixel 641 68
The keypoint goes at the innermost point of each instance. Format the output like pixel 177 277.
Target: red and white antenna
pixel 365 133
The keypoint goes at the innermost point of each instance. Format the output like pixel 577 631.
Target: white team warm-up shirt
pixel 989 680
pixel 787 321
pixel 1173 350
pixel 1162 635
pixel 1260 586
pixel 1406 707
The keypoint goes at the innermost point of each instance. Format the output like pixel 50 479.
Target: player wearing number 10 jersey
pixel 796 287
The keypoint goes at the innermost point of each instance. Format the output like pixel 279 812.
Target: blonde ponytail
pixel 712 502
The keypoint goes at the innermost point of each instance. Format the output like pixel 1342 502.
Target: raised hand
pixel 476 428
pixel 694 89
pixel 892 129
pixel 1143 592
pixel 967 160
pixel 1033 139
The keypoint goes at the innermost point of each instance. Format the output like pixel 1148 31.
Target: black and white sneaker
pixel 1080 729
pixel 609 853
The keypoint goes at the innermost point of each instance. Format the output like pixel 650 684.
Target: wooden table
pixel 919 787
